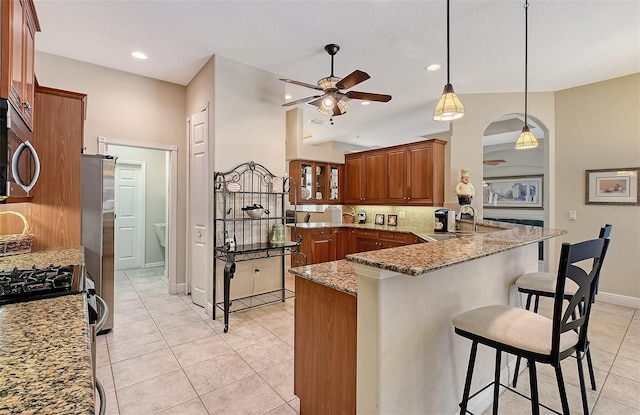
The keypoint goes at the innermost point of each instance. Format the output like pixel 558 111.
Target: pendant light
pixel 449 107
pixel 526 139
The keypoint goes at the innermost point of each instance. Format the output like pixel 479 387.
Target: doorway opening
pixel 505 167
pixel 146 197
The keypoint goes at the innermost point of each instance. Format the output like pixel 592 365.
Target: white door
pixel 129 199
pixel 201 246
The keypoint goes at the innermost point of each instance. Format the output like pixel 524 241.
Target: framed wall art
pixel 521 192
pixel 379 219
pixel 612 186
pixel 392 220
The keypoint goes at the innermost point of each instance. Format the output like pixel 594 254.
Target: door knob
pixel 199 234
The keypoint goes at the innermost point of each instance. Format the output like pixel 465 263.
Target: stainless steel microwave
pixel 19 162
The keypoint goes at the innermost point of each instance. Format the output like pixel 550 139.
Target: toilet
pixel 160 232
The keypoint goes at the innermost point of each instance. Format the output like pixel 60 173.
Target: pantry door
pixel 129 199
pixel 199 208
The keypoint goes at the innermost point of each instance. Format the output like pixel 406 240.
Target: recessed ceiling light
pixel 287 96
pixel 433 67
pixel 365 103
pixel 139 55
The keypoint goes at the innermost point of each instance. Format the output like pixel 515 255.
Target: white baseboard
pixel 177 288
pixel 617 299
pixel 209 309
pixel 154 265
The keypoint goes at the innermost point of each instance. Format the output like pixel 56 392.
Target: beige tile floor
pixel 166 356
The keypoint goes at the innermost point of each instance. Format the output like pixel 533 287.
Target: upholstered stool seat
pixel 543 283
pixel 514 326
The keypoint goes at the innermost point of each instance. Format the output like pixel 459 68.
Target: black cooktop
pixel 37 283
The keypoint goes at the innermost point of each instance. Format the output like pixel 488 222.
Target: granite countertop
pixel 42 371
pixel 338 275
pixel 418 259
pixel 44 258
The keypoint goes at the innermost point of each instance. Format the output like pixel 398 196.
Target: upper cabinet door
pixel 425 180
pixel 396 176
pixel 20 24
pixel 316 182
pixel 354 172
pixel 375 177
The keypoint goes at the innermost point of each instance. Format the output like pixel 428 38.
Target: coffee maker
pixel 445 220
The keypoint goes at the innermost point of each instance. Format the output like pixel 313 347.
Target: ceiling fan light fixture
pixel 526 139
pixel 329 82
pixel 324 111
pixel 343 106
pixel 328 102
pixel 449 107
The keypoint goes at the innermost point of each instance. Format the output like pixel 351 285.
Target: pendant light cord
pixel 526 43
pixel 448 65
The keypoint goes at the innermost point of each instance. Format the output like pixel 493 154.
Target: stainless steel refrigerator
pixel 97 196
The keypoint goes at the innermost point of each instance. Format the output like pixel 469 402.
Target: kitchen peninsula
pixel 384 318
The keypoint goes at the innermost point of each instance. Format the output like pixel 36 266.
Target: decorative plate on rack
pixel 304 193
pixel 233 187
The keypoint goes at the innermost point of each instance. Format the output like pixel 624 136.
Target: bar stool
pixel 543 284
pixel 523 333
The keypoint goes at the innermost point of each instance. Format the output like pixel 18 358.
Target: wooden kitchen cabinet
pixel 365 177
pixel 367 240
pixel 416 173
pixel 318 245
pixel 54 211
pixel 316 182
pixel 19 24
pixel 407 174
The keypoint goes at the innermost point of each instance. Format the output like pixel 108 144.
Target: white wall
pixel 247 123
pixel 126 106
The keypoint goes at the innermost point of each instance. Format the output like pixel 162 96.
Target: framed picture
pixel 379 219
pixel 612 186
pixel 521 192
pixel 392 220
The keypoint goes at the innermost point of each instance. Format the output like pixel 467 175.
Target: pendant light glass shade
pixel 449 107
pixel 526 139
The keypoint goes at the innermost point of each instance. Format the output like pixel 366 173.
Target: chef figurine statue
pixel 464 189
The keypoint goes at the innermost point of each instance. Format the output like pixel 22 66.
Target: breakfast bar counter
pixel 45 357
pixel 374 334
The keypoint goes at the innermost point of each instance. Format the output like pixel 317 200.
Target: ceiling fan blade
pixel 368 96
pixel 336 110
pixel 317 102
pixel 354 78
pixel 291 81
pixel 300 101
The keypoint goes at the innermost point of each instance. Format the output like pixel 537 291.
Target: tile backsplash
pixel 414 216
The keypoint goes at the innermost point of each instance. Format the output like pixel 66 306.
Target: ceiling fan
pixel 332 101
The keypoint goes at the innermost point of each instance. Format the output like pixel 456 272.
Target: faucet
pixel 473 212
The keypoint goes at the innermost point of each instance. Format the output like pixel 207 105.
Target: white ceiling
pixel 571 43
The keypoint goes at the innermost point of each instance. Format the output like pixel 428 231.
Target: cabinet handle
pixel 26 105
pixel 199 234
pixel 330 240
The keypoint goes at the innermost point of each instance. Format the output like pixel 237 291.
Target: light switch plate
pixel 572 215
pixel 400 215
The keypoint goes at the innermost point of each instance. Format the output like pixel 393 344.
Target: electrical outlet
pixel 572 215
pixel 400 215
